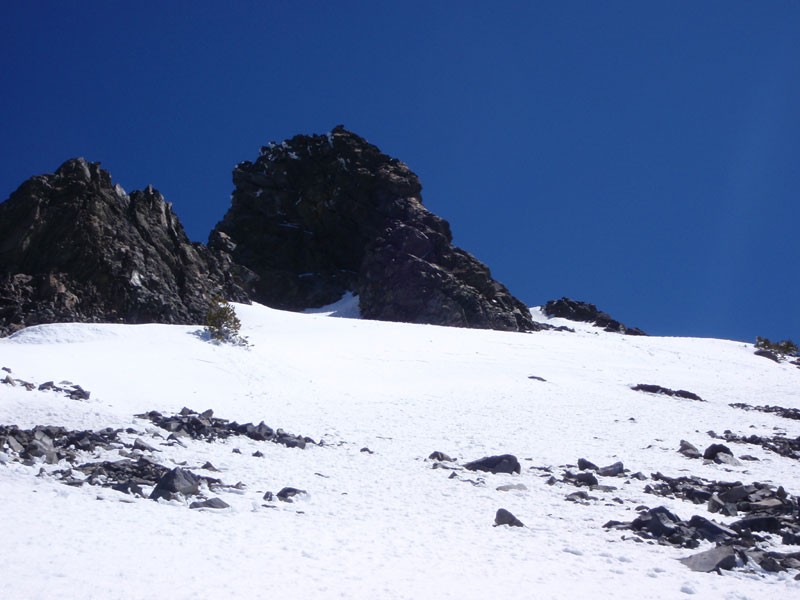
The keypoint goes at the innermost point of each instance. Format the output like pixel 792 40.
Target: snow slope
pixel 382 524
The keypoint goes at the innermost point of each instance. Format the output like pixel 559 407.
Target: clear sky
pixel 641 155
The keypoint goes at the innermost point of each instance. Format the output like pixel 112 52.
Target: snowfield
pixel 384 523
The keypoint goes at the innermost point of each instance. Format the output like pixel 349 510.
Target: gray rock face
pixel 317 216
pixel 75 247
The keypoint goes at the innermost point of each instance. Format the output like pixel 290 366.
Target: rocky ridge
pixel 74 247
pixel 312 218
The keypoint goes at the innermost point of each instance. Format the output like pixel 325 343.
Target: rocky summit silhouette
pixel 76 247
pixel 311 219
pixel 317 216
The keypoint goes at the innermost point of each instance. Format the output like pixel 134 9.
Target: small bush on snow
pixel 787 347
pixel 223 325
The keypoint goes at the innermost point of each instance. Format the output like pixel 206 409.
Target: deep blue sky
pixel 643 156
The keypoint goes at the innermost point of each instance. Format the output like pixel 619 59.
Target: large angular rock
pixel 76 247
pixel 317 216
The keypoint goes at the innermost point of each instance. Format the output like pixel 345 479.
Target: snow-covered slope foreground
pixel 383 523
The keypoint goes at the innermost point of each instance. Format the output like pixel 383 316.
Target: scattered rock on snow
pixel 177 481
pixel 287 493
pixel 206 426
pixel 614 470
pixel 721 557
pixel 689 450
pixel 657 389
pixel 439 456
pixel 504 463
pixel 504 517
pixel 210 503
pixel 512 487
pixel 786 413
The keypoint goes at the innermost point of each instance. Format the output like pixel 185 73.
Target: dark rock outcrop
pixel 75 247
pixel 657 389
pixel 318 216
pixel 574 310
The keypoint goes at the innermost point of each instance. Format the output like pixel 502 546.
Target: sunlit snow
pixel 382 524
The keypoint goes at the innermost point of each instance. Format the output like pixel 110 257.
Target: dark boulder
pixel 76 247
pixel 657 389
pixel 505 463
pixel 504 517
pixel 317 216
pixel 714 449
pixel 177 481
pixel 287 493
pixel 574 310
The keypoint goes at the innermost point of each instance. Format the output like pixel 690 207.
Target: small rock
pixel 585 465
pixel 586 478
pixel 504 517
pixel 721 557
pixel 714 449
pixel 511 487
pixel 505 463
pixel 210 503
pixel 688 450
pixel 440 456
pixel 176 481
pixel 612 470
pixel 287 493
pixel 138 444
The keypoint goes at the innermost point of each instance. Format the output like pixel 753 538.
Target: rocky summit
pixel 311 219
pixel 75 247
pixel 321 215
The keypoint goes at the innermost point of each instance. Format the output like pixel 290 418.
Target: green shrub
pixel 787 347
pixel 223 325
